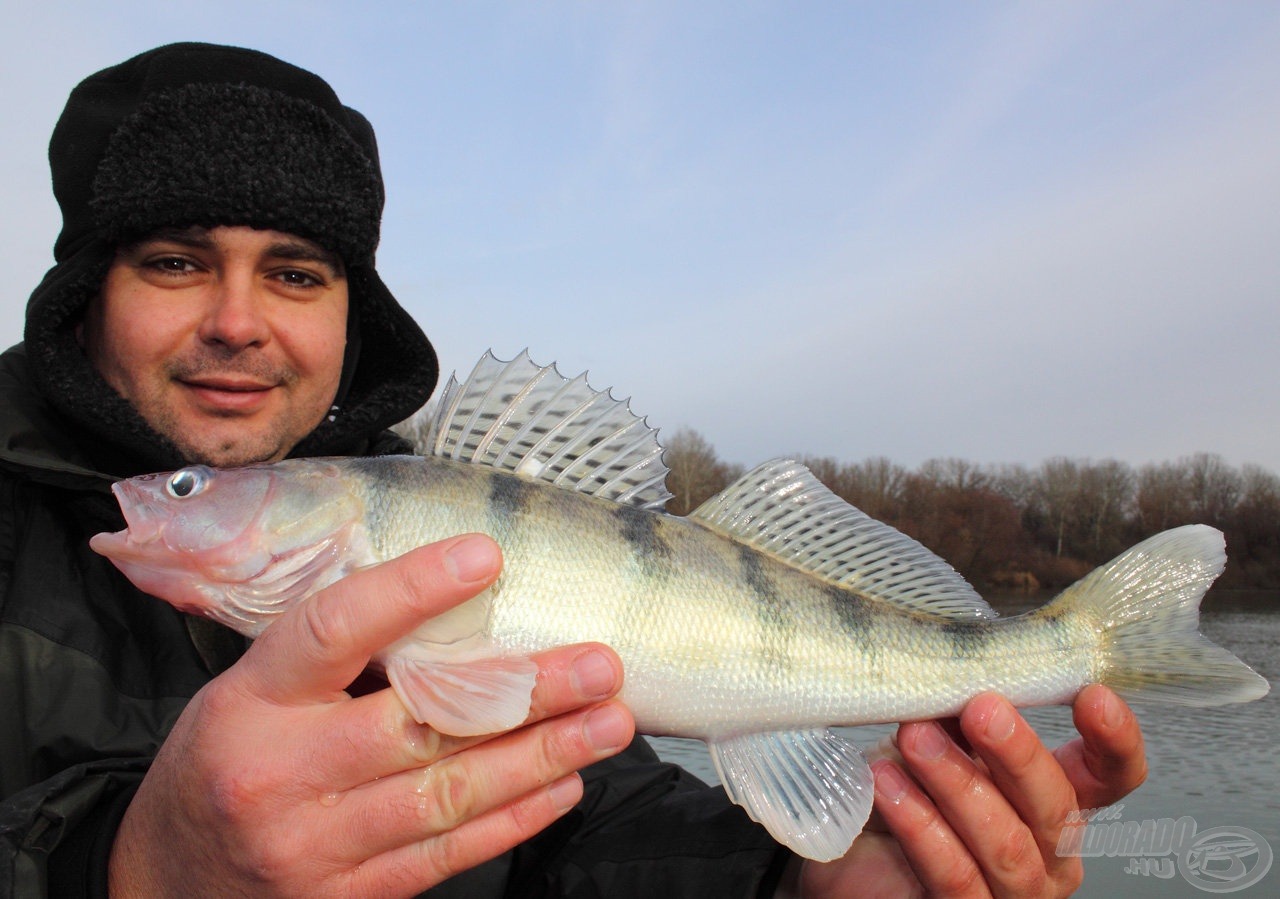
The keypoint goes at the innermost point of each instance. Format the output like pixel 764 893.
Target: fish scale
pixel 771 613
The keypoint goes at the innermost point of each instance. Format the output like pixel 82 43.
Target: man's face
pixel 228 341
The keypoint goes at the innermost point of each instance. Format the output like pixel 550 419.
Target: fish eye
pixel 188 481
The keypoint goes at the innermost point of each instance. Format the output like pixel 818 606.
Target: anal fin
pixel 812 790
pixel 464 698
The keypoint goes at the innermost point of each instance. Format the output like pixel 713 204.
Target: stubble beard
pixel 249 442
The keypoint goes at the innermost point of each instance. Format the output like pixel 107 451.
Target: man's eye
pixel 171 265
pixel 296 278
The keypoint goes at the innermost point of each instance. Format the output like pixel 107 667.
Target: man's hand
pixel 275 781
pixel 987 824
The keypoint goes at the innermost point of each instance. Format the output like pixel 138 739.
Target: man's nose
pixel 235 316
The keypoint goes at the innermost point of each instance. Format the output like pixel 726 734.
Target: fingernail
pixel 886 748
pixel 593 675
pixel 607 728
pixel 930 741
pixel 566 792
pixel 891 784
pixel 470 559
pixel 1000 723
pixel 1113 712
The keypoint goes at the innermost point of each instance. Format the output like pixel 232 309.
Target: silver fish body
pixel 717 637
pixel 771 613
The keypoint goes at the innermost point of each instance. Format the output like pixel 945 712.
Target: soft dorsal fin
pixel 780 508
pixel 531 420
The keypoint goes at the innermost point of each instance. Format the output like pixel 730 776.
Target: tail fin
pixel 1147 603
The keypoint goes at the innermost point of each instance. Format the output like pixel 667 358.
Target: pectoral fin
pixel 812 790
pixel 464 698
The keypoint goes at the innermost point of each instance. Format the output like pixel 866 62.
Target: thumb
pixel 321 645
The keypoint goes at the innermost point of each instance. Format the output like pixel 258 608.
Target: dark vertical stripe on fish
pixel 509 496
pixel 855 617
pixel 778 629
pixel 640 530
pixel 968 638
pixel 648 565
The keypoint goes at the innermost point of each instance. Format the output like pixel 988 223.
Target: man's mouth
pixel 229 394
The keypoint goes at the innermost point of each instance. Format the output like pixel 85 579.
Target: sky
pixel 999 232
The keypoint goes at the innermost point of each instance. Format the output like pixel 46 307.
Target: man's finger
pixel 936 854
pixel 378 737
pixel 319 647
pixel 403 809
pixel 1109 760
pixel 412 868
pixel 1026 773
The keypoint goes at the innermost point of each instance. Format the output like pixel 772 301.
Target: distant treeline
pixel 1030 528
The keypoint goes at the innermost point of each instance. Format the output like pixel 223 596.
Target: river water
pixel 1218 767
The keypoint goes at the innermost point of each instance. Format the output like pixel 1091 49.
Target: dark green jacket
pixel 93 674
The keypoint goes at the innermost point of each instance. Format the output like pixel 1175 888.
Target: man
pixel 215 299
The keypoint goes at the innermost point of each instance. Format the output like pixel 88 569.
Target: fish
pixel 769 615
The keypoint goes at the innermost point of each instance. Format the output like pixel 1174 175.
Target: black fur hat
pixel 199 134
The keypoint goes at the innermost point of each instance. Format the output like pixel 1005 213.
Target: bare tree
pixel 955 474
pixel 1016 483
pixel 1214 488
pixel 1105 498
pixel 1202 488
pixel 874 485
pixel 1163 497
pixel 879 486
pixel 695 472
pixel 1057 492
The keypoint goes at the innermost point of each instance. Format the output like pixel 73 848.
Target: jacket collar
pixel 34 438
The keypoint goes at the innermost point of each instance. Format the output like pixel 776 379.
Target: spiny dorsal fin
pixel 533 421
pixel 780 508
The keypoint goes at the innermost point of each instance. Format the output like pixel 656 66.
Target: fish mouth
pixel 144 521
pixel 142 569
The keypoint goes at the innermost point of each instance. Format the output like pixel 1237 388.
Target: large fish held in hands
pixel 771 613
